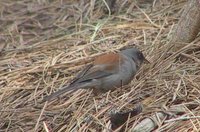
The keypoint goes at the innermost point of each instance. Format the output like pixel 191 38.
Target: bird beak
pixel 146 61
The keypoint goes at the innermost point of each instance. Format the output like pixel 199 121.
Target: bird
pixel 106 73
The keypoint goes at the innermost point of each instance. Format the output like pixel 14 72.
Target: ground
pixel 45 43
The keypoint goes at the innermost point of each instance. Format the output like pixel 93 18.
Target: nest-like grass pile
pixel 45 43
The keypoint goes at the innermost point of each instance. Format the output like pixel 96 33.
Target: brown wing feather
pixel 98 69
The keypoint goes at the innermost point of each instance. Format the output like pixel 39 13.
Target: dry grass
pixel 45 43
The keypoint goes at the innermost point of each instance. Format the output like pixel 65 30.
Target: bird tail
pixel 71 88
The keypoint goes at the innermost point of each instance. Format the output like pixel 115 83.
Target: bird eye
pixel 140 55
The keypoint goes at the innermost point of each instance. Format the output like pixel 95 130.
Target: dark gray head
pixel 135 54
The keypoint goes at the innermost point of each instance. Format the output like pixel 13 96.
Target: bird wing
pixel 81 74
pixel 92 72
pixel 102 66
pixel 89 73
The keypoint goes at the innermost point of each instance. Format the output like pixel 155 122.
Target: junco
pixel 107 72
